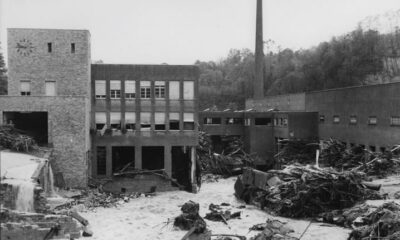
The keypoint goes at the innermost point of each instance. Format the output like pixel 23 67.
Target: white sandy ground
pixel 146 217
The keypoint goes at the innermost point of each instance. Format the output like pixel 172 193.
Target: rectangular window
pixel 372 148
pixel 50 88
pixel 336 119
pixel 72 47
pixel 145 91
pixel 372 120
pixel 49 47
pixel 101 161
pixel 173 121
pixel 321 118
pixel 100 119
pixel 284 121
pixel 130 89
pixel 159 89
pixel 212 121
pixel 130 121
pixel 115 89
pixel 263 121
pixel 174 90
pixel 159 121
pixel 100 89
pixel 145 121
pixel 188 121
pixel 247 122
pixel 188 90
pixel 234 121
pixel 395 121
pixel 353 120
pixel 115 120
pixel 25 88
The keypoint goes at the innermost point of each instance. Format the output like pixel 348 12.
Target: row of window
pixel 247 121
pixel 50 47
pixel 50 88
pixel 145 120
pixel 372 120
pixel 145 89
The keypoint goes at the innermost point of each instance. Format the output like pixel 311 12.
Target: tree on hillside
pixel 3 75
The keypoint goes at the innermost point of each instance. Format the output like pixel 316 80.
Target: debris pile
pixel 190 219
pixel 218 214
pixel 229 162
pixel 272 230
pixel 296 151
pixel 303 191
pixel 368 222
pixel 14 139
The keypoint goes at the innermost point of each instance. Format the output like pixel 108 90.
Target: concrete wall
pixel 67 131
pixel 223 128
pixel 382 101
pixel 288 102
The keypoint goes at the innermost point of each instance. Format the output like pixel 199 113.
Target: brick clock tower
pixel 49 85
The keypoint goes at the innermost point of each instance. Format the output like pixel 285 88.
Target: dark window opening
pixel 116 126
pixel 49 47
pixel 181 165
pixel 72 47
pixel 188 125
pixel 153 158
pixel 145 126
pixel 145 92
pixel 25 93
pixel 372 148
pixel 100 126
pixel 173 125
pixel 159 127
pixel 101 161
pixel 33 124
pixel 321 118
pixel 263 121
pixel 159 91
pixel 212 121
pixel 382 149
pixel 130 95
pixel 121 157
pixel 216 142
pixel 115 94
pixel 130 126
pixel 234 121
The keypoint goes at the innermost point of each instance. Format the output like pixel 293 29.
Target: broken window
pixel 336 119
pixel 372 120
pixel 181 165
pixel 100 89
pixel 173 121
pixel 121 157
pixel 115 89
pixel 130 121
pixel 25 88
pixel 145 121
pixel 188 90
pixel 159 89
pixel 50 88
pixel 145 89
pixel 321 118
pixel 174 90
pixel 353 120
pixel 212 120
pixel 234 121
pixel 159 120
pixel 115 120
pixel 394 121
pixel 153 158
pixel 101 161
pixel 49 47
pixel 130 89
pixel 188 121
pixel 263 121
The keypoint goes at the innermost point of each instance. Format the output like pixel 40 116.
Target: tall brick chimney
pixel 258 84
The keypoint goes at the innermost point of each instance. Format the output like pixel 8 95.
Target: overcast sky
pixel 182 31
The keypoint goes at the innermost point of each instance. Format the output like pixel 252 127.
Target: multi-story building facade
pixel 100 117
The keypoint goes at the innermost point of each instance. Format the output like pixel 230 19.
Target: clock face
pixel 24 47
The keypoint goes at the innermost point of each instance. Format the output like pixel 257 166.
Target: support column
pixel 193 169
pixel 138 157
pixel 109 161
pixel 168 160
